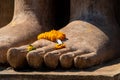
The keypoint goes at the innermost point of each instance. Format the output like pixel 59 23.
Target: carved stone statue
pixel 92 34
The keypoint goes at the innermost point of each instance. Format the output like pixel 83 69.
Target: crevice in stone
pixel 62 16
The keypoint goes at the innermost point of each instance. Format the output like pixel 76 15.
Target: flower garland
pixel 53 35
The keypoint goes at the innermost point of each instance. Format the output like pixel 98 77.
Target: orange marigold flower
pixel 60 46
pixel 52 35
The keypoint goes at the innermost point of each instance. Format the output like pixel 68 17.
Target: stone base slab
pixel 107 71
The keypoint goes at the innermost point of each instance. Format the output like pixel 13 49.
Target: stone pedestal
pixel 109 71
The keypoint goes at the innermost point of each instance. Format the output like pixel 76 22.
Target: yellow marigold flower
pixel 60 46
pixel 40 36
pixel 52 35
pixel 53 31
pixel 30 48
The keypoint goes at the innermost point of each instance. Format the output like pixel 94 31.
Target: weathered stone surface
pixel 110 71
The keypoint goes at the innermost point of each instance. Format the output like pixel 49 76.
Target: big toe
pixel 16 57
